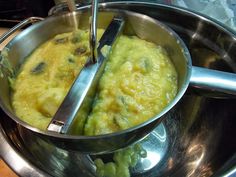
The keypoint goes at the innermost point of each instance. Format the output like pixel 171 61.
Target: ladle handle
pixel 93 31
pixel 213 80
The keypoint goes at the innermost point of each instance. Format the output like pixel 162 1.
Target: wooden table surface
pixel 5 171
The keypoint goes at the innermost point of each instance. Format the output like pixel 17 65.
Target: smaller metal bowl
pixel 136 24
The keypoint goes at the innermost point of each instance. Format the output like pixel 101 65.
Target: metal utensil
pixel 93 31
pixel 80 96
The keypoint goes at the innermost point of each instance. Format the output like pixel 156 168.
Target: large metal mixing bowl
pixel 196 139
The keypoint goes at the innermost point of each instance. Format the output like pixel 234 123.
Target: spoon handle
pixel 93 31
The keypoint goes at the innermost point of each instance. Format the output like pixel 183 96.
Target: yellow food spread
pixel 138 82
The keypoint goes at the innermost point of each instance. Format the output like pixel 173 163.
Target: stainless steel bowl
pixel 193 135
pixel 135 24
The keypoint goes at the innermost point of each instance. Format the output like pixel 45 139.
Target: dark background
pixel 14 11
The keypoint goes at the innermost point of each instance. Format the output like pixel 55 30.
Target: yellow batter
pixel 138 82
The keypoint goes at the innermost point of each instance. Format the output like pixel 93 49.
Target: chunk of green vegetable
pixel 39 68
pixel 80 50
pixel 61 40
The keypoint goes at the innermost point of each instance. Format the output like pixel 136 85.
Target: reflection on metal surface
pixel 231 173
pixel 12 156
pixel 160 133
pixel 170 163
pixel 196 154
pixel 155 145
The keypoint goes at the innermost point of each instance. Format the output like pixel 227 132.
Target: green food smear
pixel 122 161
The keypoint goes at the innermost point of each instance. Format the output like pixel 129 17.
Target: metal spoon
pixel 93 31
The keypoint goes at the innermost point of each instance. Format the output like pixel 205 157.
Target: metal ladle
pixel 80 96
pixel 93 31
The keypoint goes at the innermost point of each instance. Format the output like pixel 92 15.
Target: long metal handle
pixel 93 31
pixel 213 80
pixel 19 26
